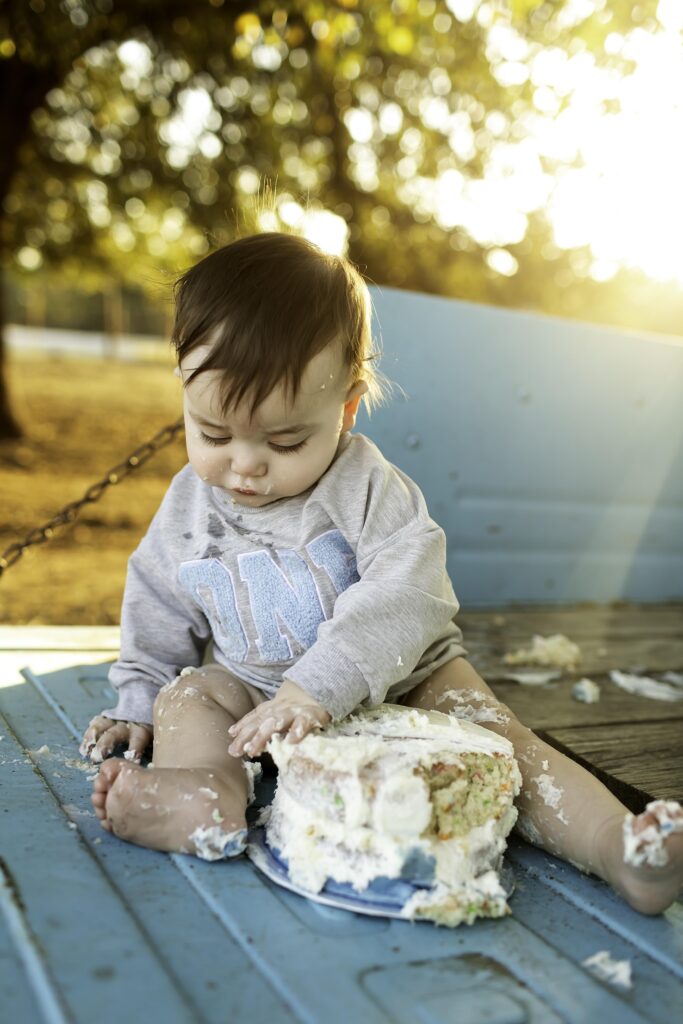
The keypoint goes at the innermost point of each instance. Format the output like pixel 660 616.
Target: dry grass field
pixel 81 417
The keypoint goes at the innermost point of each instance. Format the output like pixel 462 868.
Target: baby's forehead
pixel 324 381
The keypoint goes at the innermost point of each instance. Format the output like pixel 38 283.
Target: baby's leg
pixel 562 807
pixel 193 799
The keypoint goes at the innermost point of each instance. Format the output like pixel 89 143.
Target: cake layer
pixel 363 797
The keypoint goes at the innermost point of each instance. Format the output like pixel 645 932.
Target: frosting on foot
pixel 647 846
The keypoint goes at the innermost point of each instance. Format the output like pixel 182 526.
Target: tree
pixel 139 131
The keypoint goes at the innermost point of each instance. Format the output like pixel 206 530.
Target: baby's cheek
pixel 205 463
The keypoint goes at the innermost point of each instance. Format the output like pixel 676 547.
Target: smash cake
pixel 397 793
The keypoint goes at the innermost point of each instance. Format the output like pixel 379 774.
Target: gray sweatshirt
pixel 342 589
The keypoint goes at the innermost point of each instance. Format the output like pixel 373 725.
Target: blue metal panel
pixel 233 947
pixel 18 1000
pixel 75 928
pixel 551 452
pixel 115 927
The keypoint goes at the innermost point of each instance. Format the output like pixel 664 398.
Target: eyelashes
pixel 217 442
pixel 287 449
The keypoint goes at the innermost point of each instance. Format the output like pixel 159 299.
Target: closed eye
pixel 284 449
pixel 213 440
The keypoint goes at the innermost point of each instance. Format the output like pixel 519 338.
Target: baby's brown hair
pixel 266 304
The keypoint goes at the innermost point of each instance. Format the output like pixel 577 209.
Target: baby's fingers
pixel 96 728
pixel 274 723
pixel 118 733
pixel 138 742
pixel 305 722
pixel 241 733
pixel 244 735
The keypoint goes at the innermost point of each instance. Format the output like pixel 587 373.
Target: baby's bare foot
pixel 643 856
pixel 181 810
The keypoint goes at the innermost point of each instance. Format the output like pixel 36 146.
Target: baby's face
pixel 285 448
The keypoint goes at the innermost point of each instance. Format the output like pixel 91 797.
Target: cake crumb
pixel 586 691
pixel 645 686
pixel 616 972
pixel 533 678
pixel 547 650
pixel 647 847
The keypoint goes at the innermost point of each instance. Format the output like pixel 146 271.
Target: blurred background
pixel 522 154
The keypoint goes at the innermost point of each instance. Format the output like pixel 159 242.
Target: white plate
pixel 384 897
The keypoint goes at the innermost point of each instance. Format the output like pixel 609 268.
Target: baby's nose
pixel 247 463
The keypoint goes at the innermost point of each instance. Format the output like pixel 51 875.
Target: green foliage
pixel 149 129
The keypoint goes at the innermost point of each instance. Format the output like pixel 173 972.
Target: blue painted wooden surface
pixel 550 451
pixel 97 929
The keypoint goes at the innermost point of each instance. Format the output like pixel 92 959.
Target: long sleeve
pixel 403 602
pixel 162 631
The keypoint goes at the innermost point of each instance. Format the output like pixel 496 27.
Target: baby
pixel 311 565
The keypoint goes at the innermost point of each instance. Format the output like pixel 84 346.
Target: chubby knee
pixel 207 687
pixel 190 685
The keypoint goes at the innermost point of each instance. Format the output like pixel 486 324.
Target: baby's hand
pixel 292 712
pixel 103 734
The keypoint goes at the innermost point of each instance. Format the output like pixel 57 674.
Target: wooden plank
pixel 644 757
pixel 613 619
pixel 619 636
pixel 65 638
pixel 12 662
pixel 201 960
pixel 552 706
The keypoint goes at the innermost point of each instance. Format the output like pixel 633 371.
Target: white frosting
pixel 586 691
pixel 213 843
pixel 474 706
pixel 254 772
pixel 555 650
pixel 646 687
pixel 616 972
pixel 533 678
pixel 647 847
pixel 377 811
pixel 550 794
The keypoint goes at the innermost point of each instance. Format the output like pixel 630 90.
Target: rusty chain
pixel 70 512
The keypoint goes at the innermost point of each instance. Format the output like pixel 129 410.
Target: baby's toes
pixel 98 801
pixel 109 772
pixel 122 793
pixel 110 779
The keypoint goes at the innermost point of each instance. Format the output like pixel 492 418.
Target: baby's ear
pixel 177 372
pixel 351 404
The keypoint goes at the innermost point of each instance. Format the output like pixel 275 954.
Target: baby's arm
pixel 292 712
pixel 382 624
pixel 162 632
